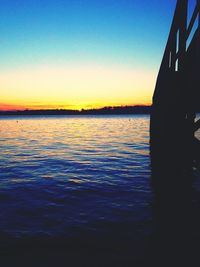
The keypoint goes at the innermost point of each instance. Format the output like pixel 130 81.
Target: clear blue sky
pixel 106 31
pixel 103 35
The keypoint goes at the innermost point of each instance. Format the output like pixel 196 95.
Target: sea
pixel 75 176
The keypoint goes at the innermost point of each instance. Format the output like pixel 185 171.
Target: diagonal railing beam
pixel 192 21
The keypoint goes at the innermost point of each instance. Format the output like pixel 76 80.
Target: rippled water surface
pixel 63 175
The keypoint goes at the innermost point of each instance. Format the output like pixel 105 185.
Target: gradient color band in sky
pixel 79 54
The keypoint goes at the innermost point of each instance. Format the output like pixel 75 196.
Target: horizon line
pixel 71 109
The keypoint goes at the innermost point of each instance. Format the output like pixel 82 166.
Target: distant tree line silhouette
pixel 101 111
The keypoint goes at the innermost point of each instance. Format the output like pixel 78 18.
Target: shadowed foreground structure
pixel 177 94
pixel 175 151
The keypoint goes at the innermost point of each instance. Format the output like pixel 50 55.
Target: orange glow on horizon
pixel 75 87
pixel 10 107
pixel 7 107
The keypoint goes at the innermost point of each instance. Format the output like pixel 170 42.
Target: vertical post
pixel 173 50
pixel 198 4
pixel 182 32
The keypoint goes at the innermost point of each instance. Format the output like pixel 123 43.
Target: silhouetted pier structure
pixel 175 151
pixel 176 98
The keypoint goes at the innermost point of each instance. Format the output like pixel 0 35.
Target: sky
pixel 81 53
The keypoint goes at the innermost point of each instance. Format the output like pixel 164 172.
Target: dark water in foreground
pixel 65 176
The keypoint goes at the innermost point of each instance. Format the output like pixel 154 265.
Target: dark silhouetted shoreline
pixel 102 111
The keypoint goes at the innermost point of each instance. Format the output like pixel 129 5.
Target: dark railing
pixel 177 93
pixel 179 36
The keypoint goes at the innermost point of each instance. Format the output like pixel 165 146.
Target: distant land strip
pixel 101 111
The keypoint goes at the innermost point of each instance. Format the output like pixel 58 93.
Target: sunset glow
pixel 80 54
pixel 74 87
